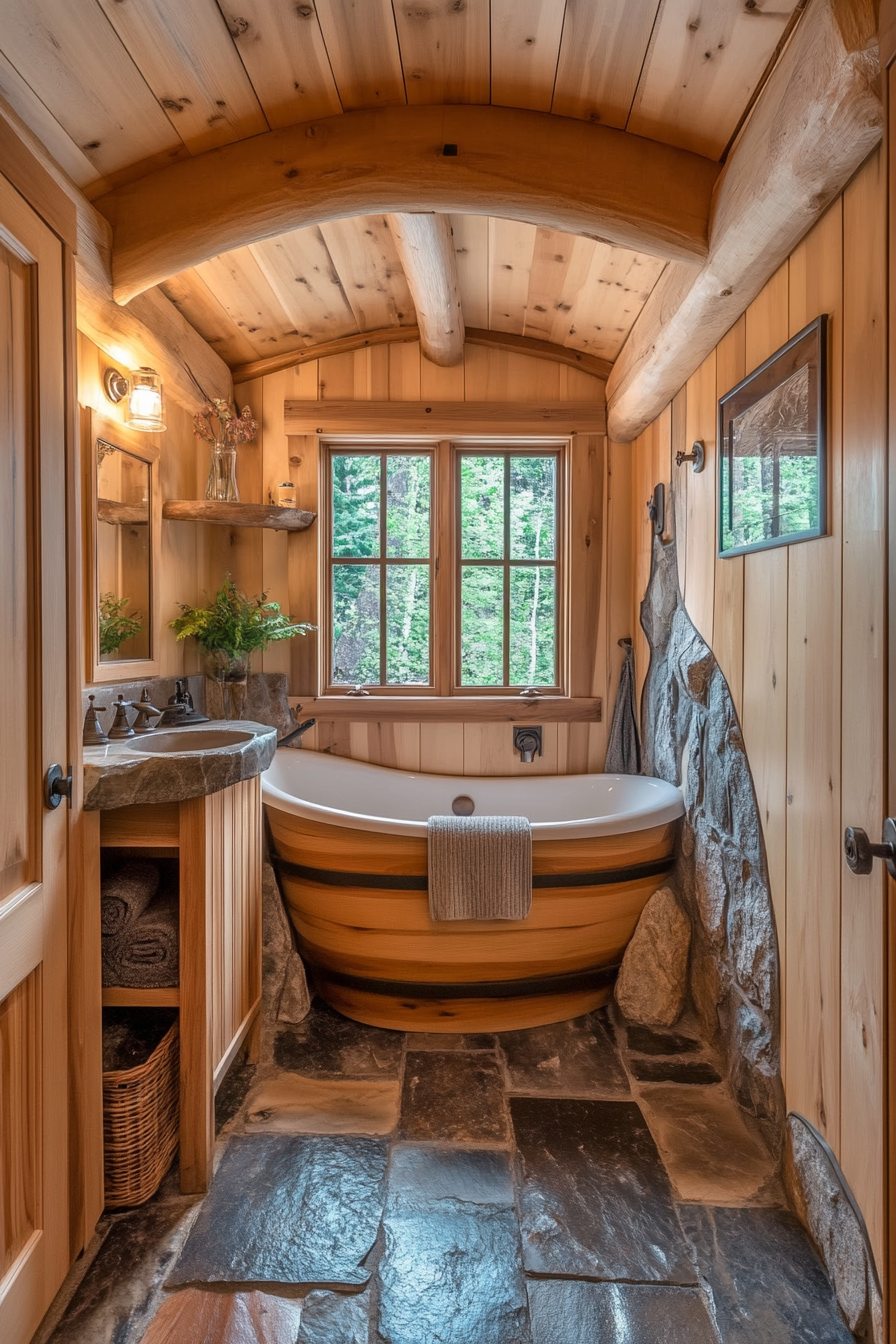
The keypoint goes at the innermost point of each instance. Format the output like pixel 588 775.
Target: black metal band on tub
pixel 605 877
pixel 594 977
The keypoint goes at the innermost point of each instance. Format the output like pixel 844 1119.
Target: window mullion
pixel 382 569
pixel 506 569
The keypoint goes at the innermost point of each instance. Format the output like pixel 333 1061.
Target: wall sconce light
pixel 144 392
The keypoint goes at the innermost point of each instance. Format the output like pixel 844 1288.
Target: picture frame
pixel 772 485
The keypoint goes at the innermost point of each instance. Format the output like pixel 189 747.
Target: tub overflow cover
pixel 463 806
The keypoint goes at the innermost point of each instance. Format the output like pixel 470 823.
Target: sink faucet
pixel 527 741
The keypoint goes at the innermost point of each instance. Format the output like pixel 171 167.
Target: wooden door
pixel 34 1227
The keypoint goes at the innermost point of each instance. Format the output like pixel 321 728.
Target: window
pixel 444 567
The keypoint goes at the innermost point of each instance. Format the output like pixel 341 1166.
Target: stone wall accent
pixel 653 979
pixel 691 737
pixel 263 699
pixel 822 1200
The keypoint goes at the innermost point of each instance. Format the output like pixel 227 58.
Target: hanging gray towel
pixel 479 867
pixel 126 894
pixel 623 748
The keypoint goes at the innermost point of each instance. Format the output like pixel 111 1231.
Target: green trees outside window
pixel 384 567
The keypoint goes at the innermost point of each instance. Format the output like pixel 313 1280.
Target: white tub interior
pixel 372 798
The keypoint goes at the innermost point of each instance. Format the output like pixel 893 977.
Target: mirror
pixel 123 554
pixel 124 526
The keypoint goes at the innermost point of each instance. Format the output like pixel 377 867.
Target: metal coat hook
pixel 656 509
pixel 697 455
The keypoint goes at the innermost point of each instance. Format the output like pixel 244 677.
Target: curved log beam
pixel 555 171
pixel 498 340
pixel 817 120
pixel 426 252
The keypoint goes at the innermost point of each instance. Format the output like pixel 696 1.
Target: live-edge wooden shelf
pixel 271 516
pixel 119 996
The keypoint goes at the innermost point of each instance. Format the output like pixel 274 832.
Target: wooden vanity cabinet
pixel 217 842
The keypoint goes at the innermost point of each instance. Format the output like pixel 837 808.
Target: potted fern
pixel 231 628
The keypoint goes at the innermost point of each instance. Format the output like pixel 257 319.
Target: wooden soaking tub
pixel 349 843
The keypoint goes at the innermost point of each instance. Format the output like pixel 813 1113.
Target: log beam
pixel 558 172
pixel 363 340
pixel 818 118
pixel 425 247
pixel 148 331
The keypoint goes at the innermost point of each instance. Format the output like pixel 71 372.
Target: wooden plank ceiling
pixel 116 88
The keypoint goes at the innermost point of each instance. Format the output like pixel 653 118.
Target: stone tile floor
pixel 571 1184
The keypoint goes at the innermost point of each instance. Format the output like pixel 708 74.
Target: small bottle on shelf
pixel 286 495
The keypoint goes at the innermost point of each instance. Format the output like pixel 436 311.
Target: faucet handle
pixel 120 726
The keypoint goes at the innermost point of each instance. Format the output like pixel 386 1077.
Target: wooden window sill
pixel 450 708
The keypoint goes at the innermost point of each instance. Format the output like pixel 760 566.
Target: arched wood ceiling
pixel 114 87
pixel 318 284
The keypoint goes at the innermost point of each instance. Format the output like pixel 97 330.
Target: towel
pixel 623 748
pixel 126 894
pixel 479 867
pixel 146 955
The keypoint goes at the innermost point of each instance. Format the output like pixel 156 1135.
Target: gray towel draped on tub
pixel 623 747
pixel 479 867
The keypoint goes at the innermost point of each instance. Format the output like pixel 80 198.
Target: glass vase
pixel 221 482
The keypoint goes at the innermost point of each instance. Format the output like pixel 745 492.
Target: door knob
pixel 861 852
pixel 57 786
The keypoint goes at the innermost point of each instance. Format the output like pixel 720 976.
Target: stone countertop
pixel 119 774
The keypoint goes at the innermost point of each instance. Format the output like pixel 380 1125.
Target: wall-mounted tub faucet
pixel 297 733
pixel 527 741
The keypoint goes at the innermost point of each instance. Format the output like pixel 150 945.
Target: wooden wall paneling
pixel 363 52
pixel 244 556
pixel 445 52
pixel 764 710
pixel 187 57
pixel 336 376
pixel 471 234
pixel 525 48
pixel 371 378
pixel 303 550
pixel 622 620
pixel 863 913
pixel 678 503
pixel 587 636
pixel 488 750
pixel 404 372
pixel 814 841
pixel 272 448
pixel 700 544
pixel 728 617
pixel 282 49
pixel 601 55
pixel 511 247
pixel 197 1121
pixel 440 384
pixel 701 69
pixel 643 458
pixel 442 748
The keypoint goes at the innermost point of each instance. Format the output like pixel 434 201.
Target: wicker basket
pixel 140 1121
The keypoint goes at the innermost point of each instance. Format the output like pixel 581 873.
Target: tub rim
pixel 669 807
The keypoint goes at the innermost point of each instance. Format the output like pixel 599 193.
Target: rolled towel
pixel 126 894
pixel 146 955
pixel 479 867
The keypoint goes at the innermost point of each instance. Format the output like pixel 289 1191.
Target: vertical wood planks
pixel 813 732
pixel 863 764
pixel 700 547
pixel 728 615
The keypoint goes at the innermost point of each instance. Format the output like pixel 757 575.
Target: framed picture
pixel 773 467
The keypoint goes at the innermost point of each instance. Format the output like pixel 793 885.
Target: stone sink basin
pixel 189 740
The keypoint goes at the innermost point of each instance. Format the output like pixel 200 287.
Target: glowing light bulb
pixel 145 401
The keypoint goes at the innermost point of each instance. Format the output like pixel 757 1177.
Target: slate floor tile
pixel 595 1201
pixel 452 1270
pixel 653 1041
pixel 197 1317
pixel 291 1104
pixel 328 1045
pixel 452 1096
pixel 335 1318
pixel 573 1312
pixel 435 1040
pixel 232 1093
pixel 118 1294
pixel 696 1072
pixel 710 1149
pixel 294 1210
pixel 569 1059
pixel 766 1281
